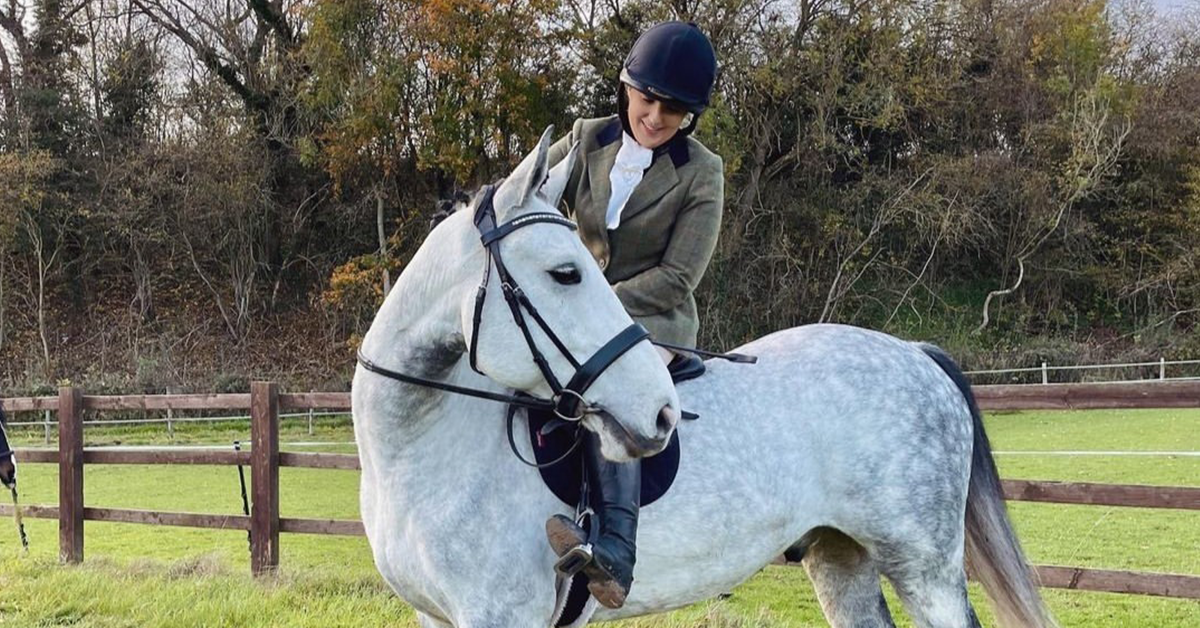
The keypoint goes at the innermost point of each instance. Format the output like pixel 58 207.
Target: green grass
pixel 1097 430
pixel 158 576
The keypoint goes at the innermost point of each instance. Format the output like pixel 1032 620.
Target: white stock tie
pixel 632 161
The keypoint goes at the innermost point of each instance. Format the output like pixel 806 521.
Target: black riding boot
pixel 617 497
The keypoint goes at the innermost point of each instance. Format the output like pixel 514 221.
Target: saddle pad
pixel 565 478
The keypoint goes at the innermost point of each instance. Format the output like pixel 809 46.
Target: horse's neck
pixel 418 331
pixel 423 425
pixel 422 312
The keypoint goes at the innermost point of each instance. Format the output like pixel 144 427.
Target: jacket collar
pixel 677 148
pixel 659 178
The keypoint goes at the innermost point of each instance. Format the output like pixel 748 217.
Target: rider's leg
pixel 617 488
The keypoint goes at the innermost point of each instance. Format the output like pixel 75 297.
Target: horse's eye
pixel 566 275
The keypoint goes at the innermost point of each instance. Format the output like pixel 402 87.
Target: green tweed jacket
pixel 668 230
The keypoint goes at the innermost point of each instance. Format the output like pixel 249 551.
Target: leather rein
pixel 568 402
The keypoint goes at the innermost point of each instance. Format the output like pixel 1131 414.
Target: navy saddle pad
pixel 565 478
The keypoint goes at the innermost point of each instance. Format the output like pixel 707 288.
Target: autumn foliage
pixel 193 192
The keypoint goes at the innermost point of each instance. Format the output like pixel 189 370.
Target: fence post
pixel 1162 368
pixel 170 416
pixel 264 477
pixel 70 474
pixel 46 420
pixel 1045 374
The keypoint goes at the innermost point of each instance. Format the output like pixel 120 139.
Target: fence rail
pixel 265 523
pixel 1045 369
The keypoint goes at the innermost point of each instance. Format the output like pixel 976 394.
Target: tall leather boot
pixel 617 497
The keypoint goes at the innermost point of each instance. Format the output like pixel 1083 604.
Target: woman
pixel 647 198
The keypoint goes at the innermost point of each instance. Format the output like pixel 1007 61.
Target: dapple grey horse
pixel 862 451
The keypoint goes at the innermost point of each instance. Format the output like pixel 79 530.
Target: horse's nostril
pixel 667 418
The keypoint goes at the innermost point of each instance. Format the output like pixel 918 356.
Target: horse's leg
pixel 933 588
pixel 429 622
pixel 846 581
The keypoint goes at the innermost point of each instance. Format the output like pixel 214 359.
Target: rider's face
pixel 653 121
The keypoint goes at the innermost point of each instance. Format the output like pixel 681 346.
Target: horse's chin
pixel 617 443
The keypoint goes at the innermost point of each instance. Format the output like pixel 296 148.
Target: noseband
pixel 568 402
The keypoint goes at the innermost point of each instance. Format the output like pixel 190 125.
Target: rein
pixel 532 403
pixel 16 503
pixel 19 521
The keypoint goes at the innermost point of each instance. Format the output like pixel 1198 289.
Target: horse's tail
pixel 993 554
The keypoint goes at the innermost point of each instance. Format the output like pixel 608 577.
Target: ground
pixel 157 576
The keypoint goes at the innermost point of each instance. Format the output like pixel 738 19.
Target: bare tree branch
pixel 1095 151
pixel 881 219
pixel 209 56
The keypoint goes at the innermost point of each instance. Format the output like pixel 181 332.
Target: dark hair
pixel 623 111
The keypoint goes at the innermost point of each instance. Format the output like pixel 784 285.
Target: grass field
pixel 152 576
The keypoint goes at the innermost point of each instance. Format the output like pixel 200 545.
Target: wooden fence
pixel 265 403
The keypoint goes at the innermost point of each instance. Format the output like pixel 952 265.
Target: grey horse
pixel 863 452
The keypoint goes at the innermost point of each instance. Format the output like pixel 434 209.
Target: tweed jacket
pixel 668 230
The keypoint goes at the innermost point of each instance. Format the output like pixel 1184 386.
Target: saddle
pixel 565 479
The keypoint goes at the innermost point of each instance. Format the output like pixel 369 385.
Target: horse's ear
pixel 528 177
pixel 556 182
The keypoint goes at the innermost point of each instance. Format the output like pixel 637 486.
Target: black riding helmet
pixel 674 62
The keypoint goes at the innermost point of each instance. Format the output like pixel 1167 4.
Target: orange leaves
pixel 358 283
pixel 449 85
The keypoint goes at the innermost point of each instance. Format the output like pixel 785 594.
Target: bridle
pixel 568 402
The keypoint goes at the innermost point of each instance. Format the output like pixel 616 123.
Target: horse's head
pixel 8 465
pixel 632 404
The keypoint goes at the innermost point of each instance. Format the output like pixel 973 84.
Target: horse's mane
pixel 459 200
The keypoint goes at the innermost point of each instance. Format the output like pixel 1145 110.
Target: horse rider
pixel 647 198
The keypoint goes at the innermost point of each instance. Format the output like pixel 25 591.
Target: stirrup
pixel 574 560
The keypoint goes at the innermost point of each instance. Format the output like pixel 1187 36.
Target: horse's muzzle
pixel 639 445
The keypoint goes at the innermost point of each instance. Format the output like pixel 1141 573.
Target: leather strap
pixel 525 220
pixel 522 400
pixel 568 402
pixel 586 375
